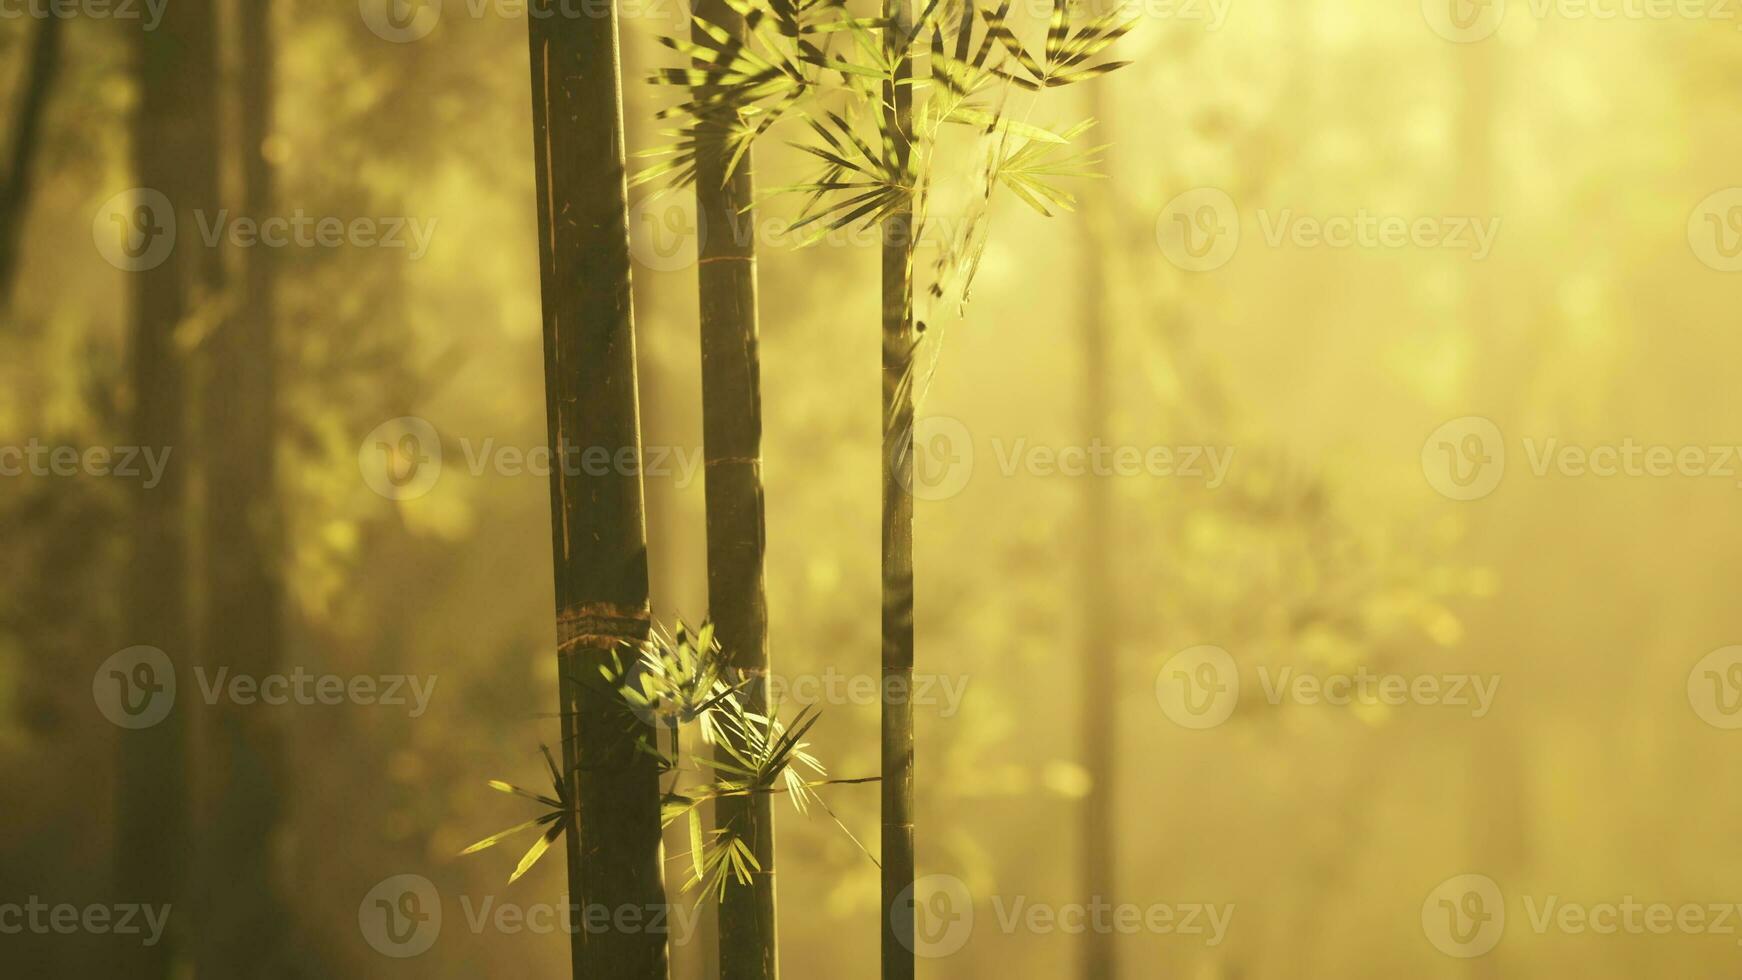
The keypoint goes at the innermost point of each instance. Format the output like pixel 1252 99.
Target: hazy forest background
pixel 1340 384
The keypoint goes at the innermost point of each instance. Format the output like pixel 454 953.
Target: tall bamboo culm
pixel 897 462
pixel 598 534
pixel 1100 697
pixel 737 530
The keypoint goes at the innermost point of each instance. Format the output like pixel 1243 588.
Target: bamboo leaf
pixel 536 852
pixel 974 116
pixel 502 787
pixel 697 848
pixel 497 838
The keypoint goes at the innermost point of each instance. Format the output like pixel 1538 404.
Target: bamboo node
pixel 601 626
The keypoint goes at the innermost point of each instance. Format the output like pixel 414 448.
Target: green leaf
pixel 497 838
pixel 697 849
pixel 974 116
pixel 536 852
pixel 502 787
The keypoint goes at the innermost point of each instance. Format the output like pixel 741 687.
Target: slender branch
pixel 45 59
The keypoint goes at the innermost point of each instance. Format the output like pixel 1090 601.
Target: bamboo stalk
pixel 897 565
pixel 737 535
pixel 598 535
pixel 1099 678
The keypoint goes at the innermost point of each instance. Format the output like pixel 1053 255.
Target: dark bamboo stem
pixel 897 572
pixel 737 535
pixel 598 534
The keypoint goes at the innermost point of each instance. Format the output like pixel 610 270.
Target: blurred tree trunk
pixel 39 79
pixel 597 530
pixel 174 152
pixel 1496 798
pixel 1100 698
pixel 243 933
pixel 737 535
pixel 897 463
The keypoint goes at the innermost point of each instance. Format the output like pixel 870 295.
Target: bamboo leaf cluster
pixel 681 678
pixel 823 69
